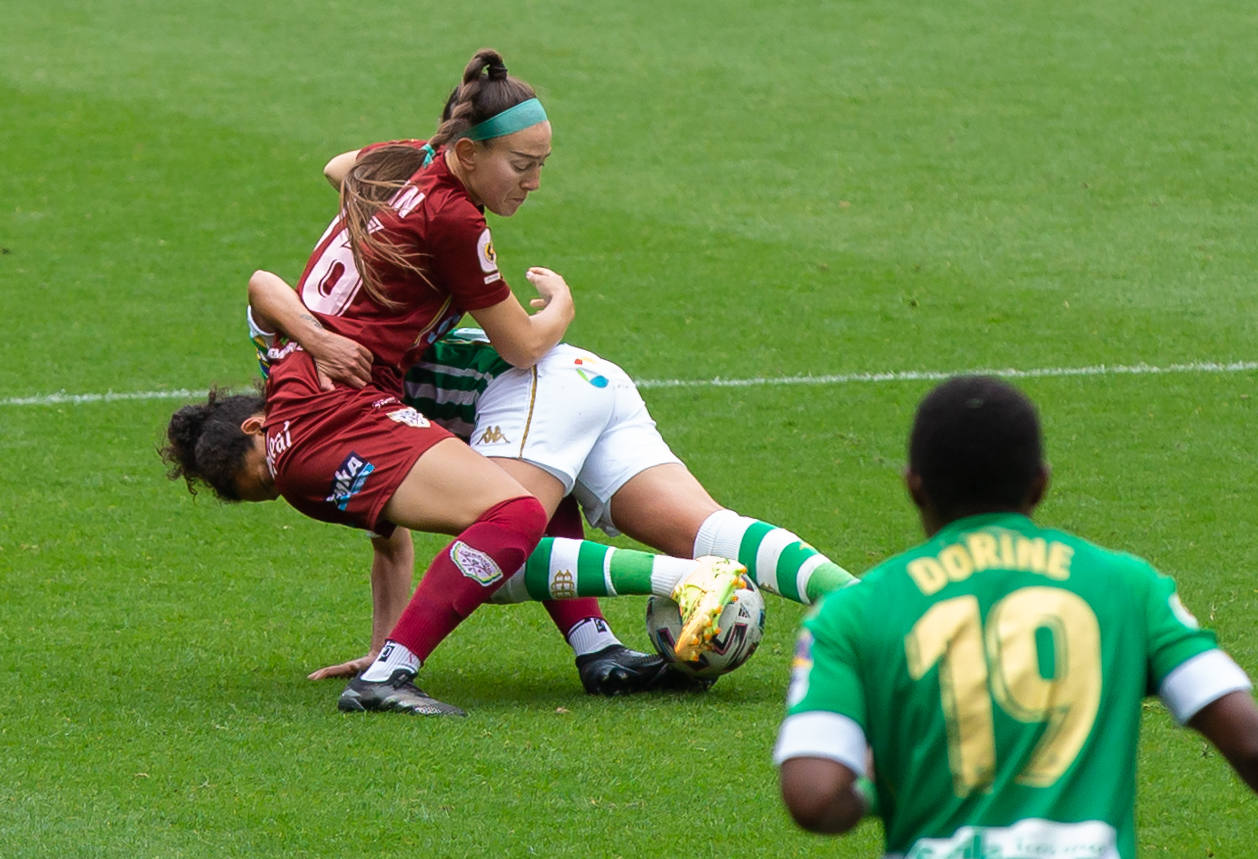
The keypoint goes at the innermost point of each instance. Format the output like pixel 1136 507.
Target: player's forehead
pixel 532 143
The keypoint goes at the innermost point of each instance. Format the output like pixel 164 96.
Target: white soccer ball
pixel 741 627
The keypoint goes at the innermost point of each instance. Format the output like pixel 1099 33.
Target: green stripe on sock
pixel 537 570
pixel 789 562
pixel 750 547
pixel 631 571
pixel 590 579
pixel 826 578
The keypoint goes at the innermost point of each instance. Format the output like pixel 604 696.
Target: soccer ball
pixel 741 627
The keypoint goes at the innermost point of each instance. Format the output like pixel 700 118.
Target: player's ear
pixel 252 425
pixel 466 151
pixel 913 482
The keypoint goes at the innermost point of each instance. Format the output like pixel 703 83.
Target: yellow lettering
pixel 927 574
pixel 1032 555
pixel 1007 556
pixel 1059 555
pixel 956 563
pixel 982 551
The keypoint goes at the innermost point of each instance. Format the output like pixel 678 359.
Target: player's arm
pixel 1231 723
pixel 338 168
pixel 821 794
pixel 522 338
pixel 392 565
pixel 276 307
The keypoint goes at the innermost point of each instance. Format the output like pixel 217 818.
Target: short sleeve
pixel 826 713
pixel 1174 634
pixel 464 259
pixel 1186 667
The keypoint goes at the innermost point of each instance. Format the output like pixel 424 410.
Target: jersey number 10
pixel 1001 662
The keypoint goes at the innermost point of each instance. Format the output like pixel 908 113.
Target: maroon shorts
pixel 340 456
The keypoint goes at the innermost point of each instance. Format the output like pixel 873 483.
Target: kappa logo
pixel 493 435
pixel 475 564
pixel 348 480
pixel 410 417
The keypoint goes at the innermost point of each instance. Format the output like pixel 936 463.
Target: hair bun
pixel 497 72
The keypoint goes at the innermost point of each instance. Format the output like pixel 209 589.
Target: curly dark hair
pixel 976 445
pixel 205 444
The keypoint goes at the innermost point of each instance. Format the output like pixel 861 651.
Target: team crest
pixel 410 417
pixel 474 563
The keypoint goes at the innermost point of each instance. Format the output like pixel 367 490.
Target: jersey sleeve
pixel 464 260
pixel 826 713
pixel 1186 666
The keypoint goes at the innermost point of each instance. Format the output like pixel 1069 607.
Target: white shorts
pixel 578 417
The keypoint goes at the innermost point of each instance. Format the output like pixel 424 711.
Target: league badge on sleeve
pixel 487 257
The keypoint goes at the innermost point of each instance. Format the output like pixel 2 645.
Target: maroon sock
pixel 467 572
pixel 568 613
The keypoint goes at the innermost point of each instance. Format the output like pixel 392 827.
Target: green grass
pixel 738 190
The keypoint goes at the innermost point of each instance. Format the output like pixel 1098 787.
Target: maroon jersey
pixel 432 218
pixel 340 455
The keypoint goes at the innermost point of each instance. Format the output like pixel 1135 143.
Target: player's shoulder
pixel 1117 562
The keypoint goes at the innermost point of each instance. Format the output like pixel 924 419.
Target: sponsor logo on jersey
pixel 486 255
pixel 410 417
pixel 586 371
pixel 563 585
pixel 348 480
pixel 1094 839
pixel 474 563
pixel 385 401
pixel 276 444
pixel 493 435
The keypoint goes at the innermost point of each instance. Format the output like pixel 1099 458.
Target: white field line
pixel 61 397
pixel 939 375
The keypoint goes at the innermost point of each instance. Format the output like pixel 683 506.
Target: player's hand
pixel 339 359
pixel 346 669
pixel 550 286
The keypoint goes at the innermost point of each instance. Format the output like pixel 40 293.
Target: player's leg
pixel 538 425
pixel 665 506
pixel 449 489
pixel 604 664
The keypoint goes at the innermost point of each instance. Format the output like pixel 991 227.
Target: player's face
pixel 507 169
pixel 254 481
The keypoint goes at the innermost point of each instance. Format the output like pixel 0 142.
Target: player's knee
pixel 523 517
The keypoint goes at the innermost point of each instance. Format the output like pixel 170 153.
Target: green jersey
pixel 446 383
pixel 997 673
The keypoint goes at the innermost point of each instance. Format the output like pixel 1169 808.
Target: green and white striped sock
pixel 776 559
pixel 562 568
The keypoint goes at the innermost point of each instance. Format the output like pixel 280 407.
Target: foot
pixel 398 693
pixel 617 670
pixel 702 596
pixel 674 679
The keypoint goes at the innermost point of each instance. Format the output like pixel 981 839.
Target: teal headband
pixel 511 120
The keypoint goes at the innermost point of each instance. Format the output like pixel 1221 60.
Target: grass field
pixel 739 191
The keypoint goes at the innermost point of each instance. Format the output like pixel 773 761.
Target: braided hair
pixel 485 91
